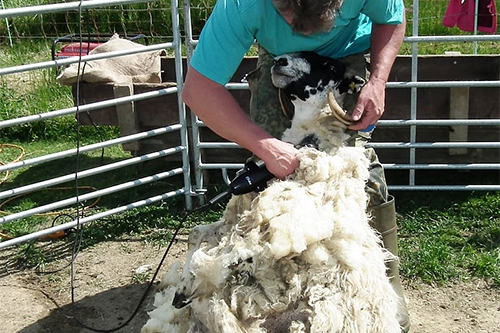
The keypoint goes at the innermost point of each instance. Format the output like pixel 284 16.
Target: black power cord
pixel 160 264
pixel 253 177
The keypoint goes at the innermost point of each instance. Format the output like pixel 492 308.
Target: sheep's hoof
pixel 180 300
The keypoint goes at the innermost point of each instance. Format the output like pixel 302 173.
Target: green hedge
pixel 154 19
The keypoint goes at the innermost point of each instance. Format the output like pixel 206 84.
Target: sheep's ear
pixel 357 82
pixel 351 84
pixel 286 104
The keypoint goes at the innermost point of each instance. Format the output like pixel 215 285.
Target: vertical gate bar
pixel 181 106
pixel 476 14
pixel 413 96
pixel 195 123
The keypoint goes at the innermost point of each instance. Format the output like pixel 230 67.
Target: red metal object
pixel 72 45
pixel 76 49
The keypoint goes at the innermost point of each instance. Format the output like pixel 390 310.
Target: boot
pixel 384 221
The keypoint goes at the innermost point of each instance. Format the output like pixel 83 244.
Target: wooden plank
pixel 125 112
pixel 459 109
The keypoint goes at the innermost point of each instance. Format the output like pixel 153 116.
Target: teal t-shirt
pixel 234 25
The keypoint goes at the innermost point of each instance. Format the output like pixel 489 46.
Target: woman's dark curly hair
pixel 309 16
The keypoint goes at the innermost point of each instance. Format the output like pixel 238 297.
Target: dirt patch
pixel 111 278
pixel 457 308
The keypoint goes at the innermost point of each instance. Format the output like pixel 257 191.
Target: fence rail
pixel 64 7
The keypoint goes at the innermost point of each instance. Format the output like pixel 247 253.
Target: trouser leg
pixel 266 110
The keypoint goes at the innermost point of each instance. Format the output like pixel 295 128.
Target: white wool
pixel 318 254
pixel 172 278
pixel 297 327
pixel 303 241
pixel 164 318
pixel 208 268
pixel 294 221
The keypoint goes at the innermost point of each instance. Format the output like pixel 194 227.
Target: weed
pixel 140 278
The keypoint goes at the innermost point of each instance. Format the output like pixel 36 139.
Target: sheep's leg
pixel 198 326
pixel 200 234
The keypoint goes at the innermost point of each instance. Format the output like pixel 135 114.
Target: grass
pixel 450 236
pixel 443 236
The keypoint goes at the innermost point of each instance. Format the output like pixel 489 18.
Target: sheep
pixel 300 255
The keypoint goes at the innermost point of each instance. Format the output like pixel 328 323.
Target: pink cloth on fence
pixel 460 13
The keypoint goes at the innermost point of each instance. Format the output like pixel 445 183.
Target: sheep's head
pixel 317 80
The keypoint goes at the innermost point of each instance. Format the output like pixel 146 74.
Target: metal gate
pixel 179 129
pixel 411 143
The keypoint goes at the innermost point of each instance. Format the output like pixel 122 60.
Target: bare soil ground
pixel 108 288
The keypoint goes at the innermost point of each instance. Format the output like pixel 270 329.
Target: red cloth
pixel 460 13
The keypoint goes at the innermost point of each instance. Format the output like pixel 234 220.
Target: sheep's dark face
pixel 311 81
pixel 305 74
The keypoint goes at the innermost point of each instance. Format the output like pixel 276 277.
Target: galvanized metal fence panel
pixel 179 129
pixel 414 124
